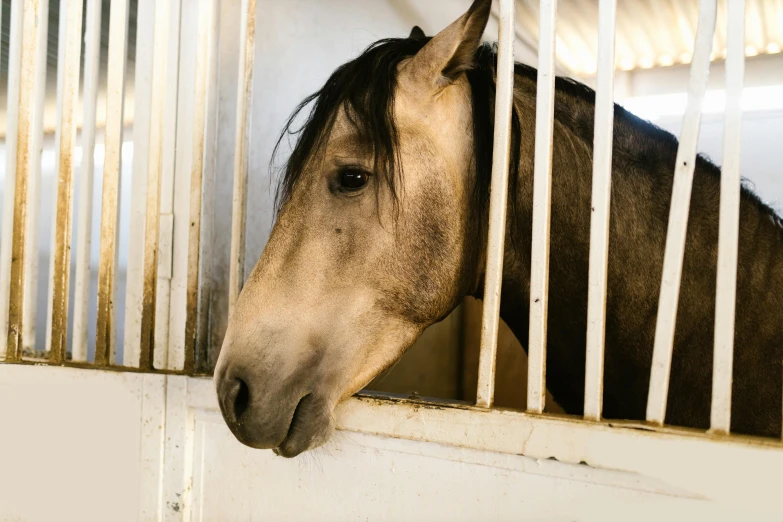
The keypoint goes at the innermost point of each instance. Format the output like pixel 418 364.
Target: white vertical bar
pixel 60 75
pixel 678 217
pixel 599 221
pixel 188 123
pixel 92 50
pixel 542 187
pixel 201 112
pixel 61 246
pixel 242 137
pixel 105 331
pixel 726 289
pixel 145 45
pixel 32 41
pixel 504 103
pixel 12 115
pixel 169 161
pixel 34 193
pixel 208 191
pixel 154 173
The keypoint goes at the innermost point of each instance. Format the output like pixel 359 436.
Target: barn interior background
pixel 298 43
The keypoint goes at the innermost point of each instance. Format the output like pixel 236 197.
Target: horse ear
pixel 417 33
pixel 452 50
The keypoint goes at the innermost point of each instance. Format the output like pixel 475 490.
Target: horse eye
pixel 352 180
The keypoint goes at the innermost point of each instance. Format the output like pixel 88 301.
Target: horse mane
pixel 364 87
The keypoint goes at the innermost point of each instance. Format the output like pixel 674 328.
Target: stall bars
pixel 152 268
pixel 152 271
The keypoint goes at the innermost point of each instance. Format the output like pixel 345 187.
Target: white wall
pixel 762 153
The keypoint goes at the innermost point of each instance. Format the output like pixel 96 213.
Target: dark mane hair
pixel 364 88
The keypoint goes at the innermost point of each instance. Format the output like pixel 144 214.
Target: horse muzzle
pixel 287 421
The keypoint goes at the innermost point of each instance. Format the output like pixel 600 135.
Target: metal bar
pixel 183 183
pixel 504 104
pixel 57 130
pixel 242 137
pixel 205 40
pixel 105 333
pixel 34 195
pixel 152 219
pixel 542 188
pixel 92 51
pixel 728 239
pixel 12 119
pixel 169 167
pixel 678 217
pixel 134 282
pixel 61 251
pixel 32 11
pixel 208 198
pixel 601 205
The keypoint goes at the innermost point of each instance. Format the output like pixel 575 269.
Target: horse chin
pixel 311 426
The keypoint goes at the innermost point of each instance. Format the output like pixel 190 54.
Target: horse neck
pixel 571 163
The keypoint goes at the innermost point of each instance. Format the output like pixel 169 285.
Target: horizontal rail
pixel 498 199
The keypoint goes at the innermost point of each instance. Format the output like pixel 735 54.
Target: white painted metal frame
pixel 134 282
pixel 728 239
pixel 678 216
pixel 542 188
pixel 26 116
pixel 152 220
pixel 600 211
pixel 57 130
pixel 504 103
pixel 241 151
pixel 205 283
pixel 34 193
pixel 12 119
pixel 92 51
pixel 106 336
pixel 182 183
pixel 169 157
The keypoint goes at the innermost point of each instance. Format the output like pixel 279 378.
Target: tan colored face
pixel 346 284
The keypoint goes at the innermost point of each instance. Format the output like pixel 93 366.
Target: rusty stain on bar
pixel 199 134
pixel 105 338
pixel 31 12
pixel 62 241
pixel 239 203
pixel 152 219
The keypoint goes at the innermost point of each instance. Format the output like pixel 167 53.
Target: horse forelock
pixel 364 90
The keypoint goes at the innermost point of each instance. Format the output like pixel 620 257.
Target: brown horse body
pixel 381 233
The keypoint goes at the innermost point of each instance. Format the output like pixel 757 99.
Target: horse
pixel 382 216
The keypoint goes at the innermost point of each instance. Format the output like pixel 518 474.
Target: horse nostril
pixel 242 399
pixel 234 399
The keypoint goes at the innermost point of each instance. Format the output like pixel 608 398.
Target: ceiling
pixel 650 33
